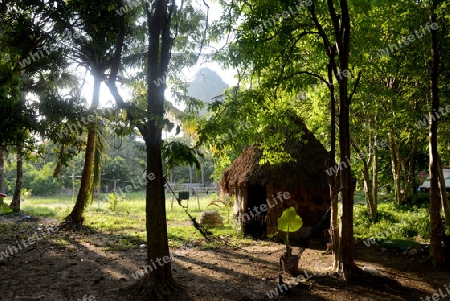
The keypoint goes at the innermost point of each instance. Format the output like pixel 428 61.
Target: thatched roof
pixel 310 165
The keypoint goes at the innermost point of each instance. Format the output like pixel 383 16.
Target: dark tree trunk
pixel 76 216
pixel 15 203
pixel 341 47
pixel 333 179
pixel 436 249
pixel 341 27
pixel 2 173
pixel 159 283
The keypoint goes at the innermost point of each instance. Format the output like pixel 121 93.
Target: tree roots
pixel 148 289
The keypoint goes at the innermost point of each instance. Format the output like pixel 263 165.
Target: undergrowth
pixel 392 222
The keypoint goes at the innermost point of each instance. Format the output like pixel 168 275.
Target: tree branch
pixel 354 88
pixel 309 73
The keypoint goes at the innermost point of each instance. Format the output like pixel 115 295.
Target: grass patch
pixel 42 211
pixel 125 226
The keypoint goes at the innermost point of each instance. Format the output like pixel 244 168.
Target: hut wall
pixel 240 205
pixel 310 201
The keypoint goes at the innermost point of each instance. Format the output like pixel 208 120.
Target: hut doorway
pixel 256 225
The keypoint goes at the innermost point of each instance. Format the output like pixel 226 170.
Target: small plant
pixel 25 193
pixel 289 221
pixel 227 203
pixel 114 200
pixel 4 209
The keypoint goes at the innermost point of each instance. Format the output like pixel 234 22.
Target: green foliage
pixel 392 222
pixel 176 153
pixel 114 200
pixel 26 193
pixel 4 209
pixel 41 181
pixel 421 199
pixel 116 169
pixel 290 221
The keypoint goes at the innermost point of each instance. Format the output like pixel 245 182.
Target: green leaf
pixel 290 221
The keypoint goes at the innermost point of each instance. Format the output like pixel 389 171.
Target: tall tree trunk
pixel 368 193
pixel 76 216
pixel 15 203
pixel 342 35
pixel 334 223
pixel 394 150
pixel 409 172
pixel 436 249
pixel 333 179
pixel 375 175
pixel 442 189
pixel 159 283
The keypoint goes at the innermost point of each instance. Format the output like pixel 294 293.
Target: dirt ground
pixel 73 265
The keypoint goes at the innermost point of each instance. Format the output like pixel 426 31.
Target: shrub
pixel 114 200
pixel 420 199
pixel 392 222
pixel 42 181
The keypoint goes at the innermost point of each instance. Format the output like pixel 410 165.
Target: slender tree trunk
pixel 409 172
pixel 334 192
pixel 394 150
pixel 436 249
pixel 15 203
pixel 444 198
pixel 203 176
pixel 368 193
pixel 333 179
pixel 76 216
pixel 334 224
pixel 342 34
pixel 375 176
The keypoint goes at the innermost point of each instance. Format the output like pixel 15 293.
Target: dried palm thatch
pixel 309 166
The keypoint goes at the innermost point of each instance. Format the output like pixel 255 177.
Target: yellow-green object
pixel 289 221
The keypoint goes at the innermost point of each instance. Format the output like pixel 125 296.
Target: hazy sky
pixel 106 99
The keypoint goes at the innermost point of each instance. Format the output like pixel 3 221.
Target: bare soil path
pixel 72 265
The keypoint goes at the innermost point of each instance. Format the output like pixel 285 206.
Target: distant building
pixel 425 187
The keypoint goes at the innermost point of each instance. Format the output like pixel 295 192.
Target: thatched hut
pixel 302 184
